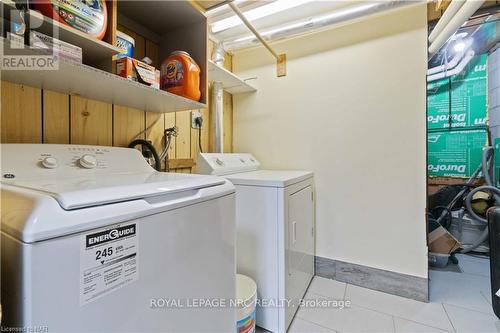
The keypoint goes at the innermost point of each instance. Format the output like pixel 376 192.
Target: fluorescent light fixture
pixel 313 22
pixel 257 13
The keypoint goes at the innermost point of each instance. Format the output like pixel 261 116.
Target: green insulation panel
pixel 460 101
pixel 454 153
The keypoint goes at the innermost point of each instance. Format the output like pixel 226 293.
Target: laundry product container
pixel 125 42
pixel 180 75
pixel 246 296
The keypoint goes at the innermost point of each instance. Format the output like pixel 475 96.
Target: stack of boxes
pixel 456 121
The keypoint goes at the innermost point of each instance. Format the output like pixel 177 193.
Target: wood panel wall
pixel 32 115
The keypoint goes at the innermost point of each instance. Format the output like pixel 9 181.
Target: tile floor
pixel 459 302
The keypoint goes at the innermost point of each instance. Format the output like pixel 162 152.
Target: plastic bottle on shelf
pixel 180 75
pixel 90 16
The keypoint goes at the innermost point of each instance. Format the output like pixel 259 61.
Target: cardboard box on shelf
pixel 441 241
pixel 138 71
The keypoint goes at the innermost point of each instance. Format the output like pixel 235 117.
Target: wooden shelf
pixel 94 50
pixel 230 82
pixel 89 82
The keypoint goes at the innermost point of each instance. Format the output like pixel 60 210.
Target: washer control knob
pixel 49 162
pixel 88 161
pixel 219 161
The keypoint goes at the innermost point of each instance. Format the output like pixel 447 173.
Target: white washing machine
pixel 94 240
pixel 275 232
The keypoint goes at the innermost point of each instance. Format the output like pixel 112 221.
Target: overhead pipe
pixel 455 60
pixel 459 68
pixel 464 13
pixel 448 66
pixel 312 24
pixel 452 9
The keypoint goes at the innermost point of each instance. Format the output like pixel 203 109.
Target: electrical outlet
pixel 195 115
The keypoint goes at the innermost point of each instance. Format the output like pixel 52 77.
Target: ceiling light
pixel 256 13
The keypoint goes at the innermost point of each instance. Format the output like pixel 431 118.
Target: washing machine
pixel 275 232
pixel 94 240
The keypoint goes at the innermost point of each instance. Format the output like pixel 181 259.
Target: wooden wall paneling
pixel 183 142
pixel 228 122
pixel 127 123
pixel 55 117
pixel 21 114
pixel 91 122
pixel 140 46
pixel 155 133
pixel 170 122
pixel 195 136
pixel 152 53
pixel 205 130
pixel 110 36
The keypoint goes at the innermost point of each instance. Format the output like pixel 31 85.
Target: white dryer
pixel 94 240
pixel 275 232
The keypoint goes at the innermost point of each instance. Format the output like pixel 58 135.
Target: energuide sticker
pixel 108 261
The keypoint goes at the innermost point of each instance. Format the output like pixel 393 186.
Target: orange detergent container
pixel 180 75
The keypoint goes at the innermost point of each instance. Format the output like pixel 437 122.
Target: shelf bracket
pixel 280 58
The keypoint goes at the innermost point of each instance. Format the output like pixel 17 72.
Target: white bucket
pixel 246 296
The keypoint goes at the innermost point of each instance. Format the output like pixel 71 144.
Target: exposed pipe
pixel 463 14
pixel 460 67
pixel 452 9
pixel 218 118
pixel 448 66
pixel 312 24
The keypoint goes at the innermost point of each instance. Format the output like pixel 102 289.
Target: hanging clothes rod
pixel 280 58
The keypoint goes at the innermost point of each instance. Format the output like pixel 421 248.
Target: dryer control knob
pixel 49 162
pixel 88 161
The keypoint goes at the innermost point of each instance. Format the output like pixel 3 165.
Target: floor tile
pixel 328 287
pixel 357 319
pixel 301 326
pixel 487 296
pixel 465 320
pixel 431 314
pixel 463 290
pixel 474 265
pixel 407 326
pixel 323 316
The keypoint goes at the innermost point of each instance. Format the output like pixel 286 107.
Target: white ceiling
pixel 301 12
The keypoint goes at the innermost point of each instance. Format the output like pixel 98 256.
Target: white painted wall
pixel 352 109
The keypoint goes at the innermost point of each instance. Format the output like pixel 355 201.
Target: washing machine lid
pixel 74 193
pixel 269 178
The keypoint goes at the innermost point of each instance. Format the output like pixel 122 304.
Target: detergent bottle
pixel 180 75
pixel 88 16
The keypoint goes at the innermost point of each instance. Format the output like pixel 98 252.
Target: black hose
pixel 151 148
